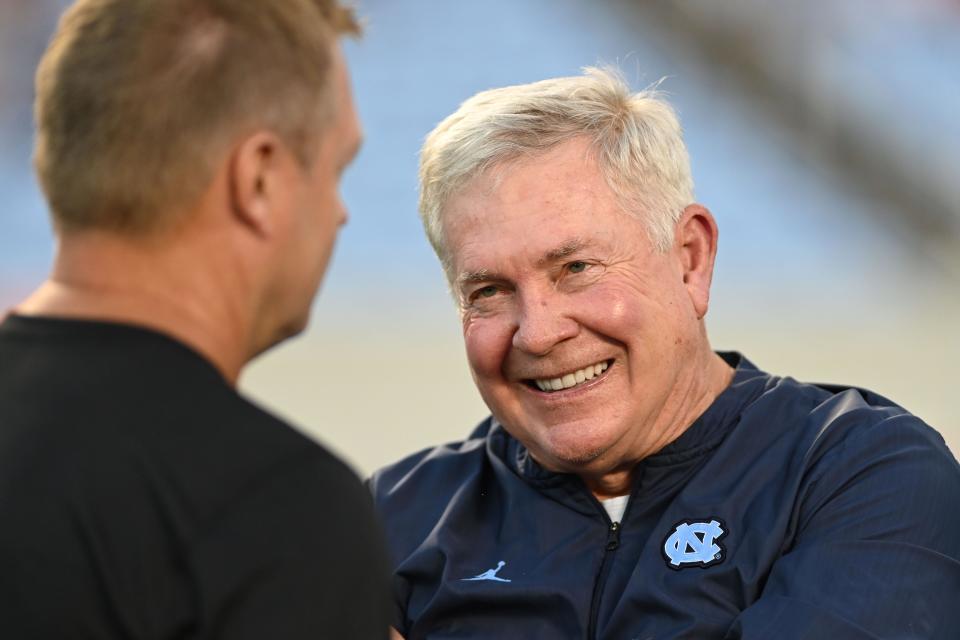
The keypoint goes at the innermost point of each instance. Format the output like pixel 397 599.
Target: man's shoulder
pixel 836 439
pixel 109 409
pixel 825 417
pixel 824 436
pixel 411 496
pixel 857 438
pixel 123 441
pixel 446 465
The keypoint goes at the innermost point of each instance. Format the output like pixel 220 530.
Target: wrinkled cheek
pixel 487 347
pixel 613 309
pixel 618 311
pixel 484 354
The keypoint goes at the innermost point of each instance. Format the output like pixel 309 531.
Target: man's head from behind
pixel 141 104
pixel 136 99
pixel 563 214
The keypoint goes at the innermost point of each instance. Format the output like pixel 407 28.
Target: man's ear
pixel 254 168
pixel 696 242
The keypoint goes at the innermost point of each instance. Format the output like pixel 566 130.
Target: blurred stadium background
pixel 825 137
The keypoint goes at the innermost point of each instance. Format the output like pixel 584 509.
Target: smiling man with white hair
pixel 631 482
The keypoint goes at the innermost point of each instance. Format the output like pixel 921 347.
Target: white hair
pixel 636 137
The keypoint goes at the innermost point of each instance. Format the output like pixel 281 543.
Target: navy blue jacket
pixel 787 510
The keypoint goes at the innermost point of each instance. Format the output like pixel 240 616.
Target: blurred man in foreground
pixel 190 151
pixel 632 483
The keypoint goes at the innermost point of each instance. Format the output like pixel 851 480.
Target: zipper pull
pixel 613 536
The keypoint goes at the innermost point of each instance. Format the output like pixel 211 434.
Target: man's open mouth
pixel 570 380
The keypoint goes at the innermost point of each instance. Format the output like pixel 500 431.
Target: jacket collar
pixel 703 436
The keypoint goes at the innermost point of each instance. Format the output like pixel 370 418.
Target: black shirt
pixel 142 497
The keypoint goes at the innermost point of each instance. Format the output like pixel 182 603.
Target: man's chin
pixel 291 329
pixel 569 447
pixel 569 457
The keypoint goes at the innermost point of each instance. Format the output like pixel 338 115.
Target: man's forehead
pixel 346 117
pixel 533 182
pixel 484 267
pixel 565 249
pixel 532 211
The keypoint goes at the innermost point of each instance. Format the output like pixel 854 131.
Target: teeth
pixel 571 379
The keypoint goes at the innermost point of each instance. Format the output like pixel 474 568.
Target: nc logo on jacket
pixel 694 544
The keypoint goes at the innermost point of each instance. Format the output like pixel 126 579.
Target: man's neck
pixel 161 287
pixel 707 381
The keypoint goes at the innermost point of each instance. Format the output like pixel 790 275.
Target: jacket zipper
pixel 610 547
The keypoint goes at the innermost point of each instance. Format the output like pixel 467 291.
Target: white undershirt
pixel 615 507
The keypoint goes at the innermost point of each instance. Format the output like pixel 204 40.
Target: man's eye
pixel 577 267
pixel 487 292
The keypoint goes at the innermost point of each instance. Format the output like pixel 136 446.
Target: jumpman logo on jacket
pixel 490 574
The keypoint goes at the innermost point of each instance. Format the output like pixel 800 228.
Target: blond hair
pixel 636 137
pixel 137 99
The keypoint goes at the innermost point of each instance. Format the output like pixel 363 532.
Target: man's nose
pixel 544 322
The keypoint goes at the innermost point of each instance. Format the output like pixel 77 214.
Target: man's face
pixel 560 288
pixel 317 210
